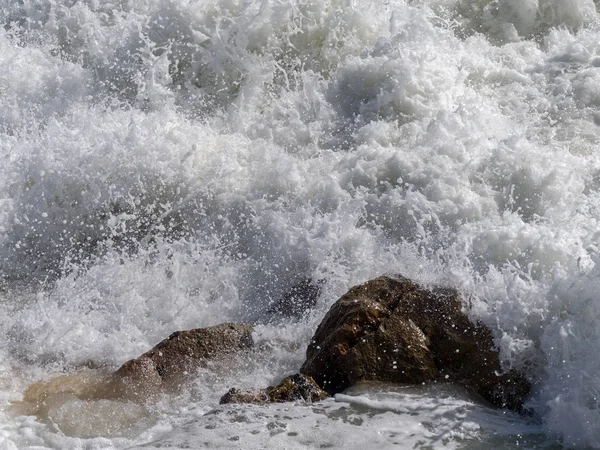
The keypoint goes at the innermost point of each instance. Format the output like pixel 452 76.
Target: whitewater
pixel 175 164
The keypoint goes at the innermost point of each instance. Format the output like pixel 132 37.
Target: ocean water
pixel 173 164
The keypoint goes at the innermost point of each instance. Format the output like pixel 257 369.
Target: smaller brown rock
pixel 257 397
pixel 296 387
pixel 166 365
pixel 142 379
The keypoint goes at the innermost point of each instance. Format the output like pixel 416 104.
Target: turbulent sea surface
pixel 173 164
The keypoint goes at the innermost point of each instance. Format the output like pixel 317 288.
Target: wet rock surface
pixel 294 388
pixel 163 368
pixel 393 330
pixel 166 364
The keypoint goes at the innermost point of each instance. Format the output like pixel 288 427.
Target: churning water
pixel 173 164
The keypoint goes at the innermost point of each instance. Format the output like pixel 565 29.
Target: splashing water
pixel 172 164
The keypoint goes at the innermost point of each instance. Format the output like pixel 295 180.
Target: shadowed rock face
pixel 298 300
pixel 296 387
pixel 393 330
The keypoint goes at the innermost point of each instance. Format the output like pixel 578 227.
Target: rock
pixel 296 387
pixel 299 299
pixel 142 379
pixel 390 329
pixel 166 365
pixel 257 397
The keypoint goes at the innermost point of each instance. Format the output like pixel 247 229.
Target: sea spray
pixel 177 164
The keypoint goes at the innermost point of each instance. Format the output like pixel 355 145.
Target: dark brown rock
pixel 391 329
pixel 296 387
pixel 166 365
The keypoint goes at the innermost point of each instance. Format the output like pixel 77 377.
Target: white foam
pixel 169 165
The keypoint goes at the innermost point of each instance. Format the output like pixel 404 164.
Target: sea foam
pixel 176 164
